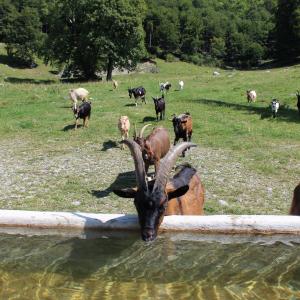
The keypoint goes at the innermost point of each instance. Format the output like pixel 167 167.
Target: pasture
pixel 249 162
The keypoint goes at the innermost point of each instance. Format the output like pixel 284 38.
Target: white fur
pixel 124 127
pixel 78 94
pixel 251 96
pixel 181 84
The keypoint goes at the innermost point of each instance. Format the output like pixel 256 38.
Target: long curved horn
pixel 140 172
pixel 143 129
pixel 167 164
pixel 134 134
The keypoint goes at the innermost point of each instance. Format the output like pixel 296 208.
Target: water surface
pixel 175 266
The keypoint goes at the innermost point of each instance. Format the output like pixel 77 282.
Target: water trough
pixel 226 224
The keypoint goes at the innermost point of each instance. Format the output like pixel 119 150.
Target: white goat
pixel 124 127
pixel 78 94
pixel 274 107
pixel 251 96
pixel 216 73
pixel 115 84
pixel 181 84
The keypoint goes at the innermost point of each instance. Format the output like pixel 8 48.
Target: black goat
pixel 160 106
pixel 298 101
pixel 82 112
pixel 138 92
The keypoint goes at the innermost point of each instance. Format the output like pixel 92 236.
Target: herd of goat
pixel 158 195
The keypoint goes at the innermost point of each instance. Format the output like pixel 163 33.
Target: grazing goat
pixel 82 112
pixel 138 92
pixel 216 73
pixel 160 107
pixel 115 84
pixel 164 86
pixel 181 195
pixel 295 206
pixel 274 107
pixel 251 96
pixel 181 84
pixel 154 147
pixel 183 128
pixel 124 127
pixel 298 101
pixel 78 94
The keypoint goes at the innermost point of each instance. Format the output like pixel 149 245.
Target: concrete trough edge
pixel 228 224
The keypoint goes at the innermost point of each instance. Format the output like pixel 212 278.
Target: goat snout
pixel 148 234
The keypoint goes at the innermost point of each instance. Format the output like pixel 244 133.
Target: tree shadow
pixel 15 62
pixel 123 180
pixel 16 80
pixel 285 113
pixel 108 145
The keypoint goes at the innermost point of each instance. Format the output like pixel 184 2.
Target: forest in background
pixel 88 36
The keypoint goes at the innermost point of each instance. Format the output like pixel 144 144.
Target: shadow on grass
pixel 285 113
pixel 28 80
pixel 123 180
pixel 130 104
pixel 108 145
pixel 148 119
pixel 71 127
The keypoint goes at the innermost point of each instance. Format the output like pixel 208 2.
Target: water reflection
pixel 175 266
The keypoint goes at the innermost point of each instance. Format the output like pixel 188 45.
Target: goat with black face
pixel 82 112
pixel 183 194
pixel 160 107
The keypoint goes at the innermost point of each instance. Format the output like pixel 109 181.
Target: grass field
pixel 244 156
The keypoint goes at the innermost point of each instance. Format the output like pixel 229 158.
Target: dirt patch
pixel 82 178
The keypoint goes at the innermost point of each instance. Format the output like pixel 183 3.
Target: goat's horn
pixel 143 129
pixel 167 164
pixel 134 135
pixel 140 172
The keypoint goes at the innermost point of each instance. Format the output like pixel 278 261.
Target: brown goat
pixel 295 206
pixel 154 147
pixel 182 195
pixel 183 128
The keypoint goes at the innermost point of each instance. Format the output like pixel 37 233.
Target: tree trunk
pixel 110 66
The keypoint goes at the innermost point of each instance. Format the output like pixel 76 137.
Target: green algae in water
pixel 175 266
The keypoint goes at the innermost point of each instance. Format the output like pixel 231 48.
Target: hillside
pixel 244 156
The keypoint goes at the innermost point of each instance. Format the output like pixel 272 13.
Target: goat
pixel 295 206
pixel 298 101
pixel 181 84
pixel 115 84
pixel 216 73
pixel 251 96
pixel 182 195
pixel 160 106
pixel 78 94
pixel 82 112
pixel 274 107
pixel 164 86
pixel 124 127
pixel 183 128
pixel 154 147
pixel 138 92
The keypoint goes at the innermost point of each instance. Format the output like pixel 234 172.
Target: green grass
pixel 245 157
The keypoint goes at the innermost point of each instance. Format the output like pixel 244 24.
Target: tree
pixel 95 35
pixel 288 29
pixel 21 31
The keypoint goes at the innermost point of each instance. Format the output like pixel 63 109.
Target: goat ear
pixel 126 193
pixel 178 192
